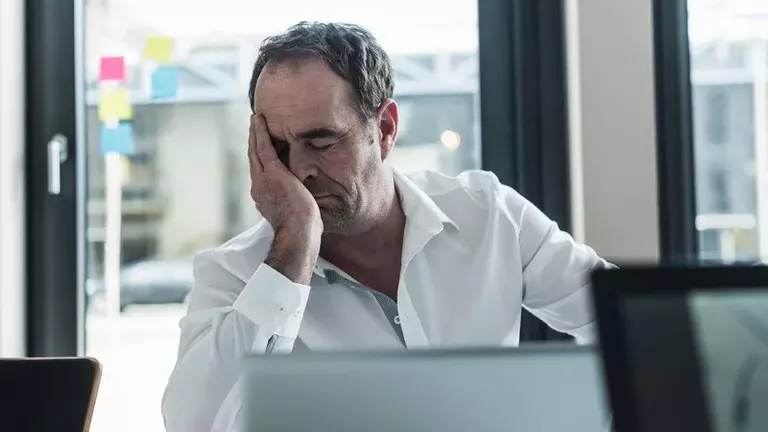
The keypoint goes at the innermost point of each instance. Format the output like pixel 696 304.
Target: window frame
pixel 678 238
pixel 524 111
pixel 55 295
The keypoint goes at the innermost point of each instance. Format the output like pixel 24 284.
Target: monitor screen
pixel 731 333
pixel 698 360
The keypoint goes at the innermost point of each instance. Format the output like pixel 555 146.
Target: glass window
pixel 729 74
pixel 185 186
pixel 719 188
pixel 717 117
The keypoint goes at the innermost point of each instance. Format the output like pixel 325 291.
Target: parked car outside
pixel 153 281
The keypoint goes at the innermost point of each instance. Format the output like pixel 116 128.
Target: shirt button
pixel 397 320
pixel 287 301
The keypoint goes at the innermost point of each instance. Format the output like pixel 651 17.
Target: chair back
pixel 48 394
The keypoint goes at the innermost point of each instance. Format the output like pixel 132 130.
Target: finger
pixel 264 148
pixel 253 158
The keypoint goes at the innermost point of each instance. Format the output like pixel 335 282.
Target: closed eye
pixel 322 145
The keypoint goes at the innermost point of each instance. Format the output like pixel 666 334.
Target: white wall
pixel 12 303
pixel 613 135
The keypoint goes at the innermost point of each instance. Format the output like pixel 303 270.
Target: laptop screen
pixel 699 358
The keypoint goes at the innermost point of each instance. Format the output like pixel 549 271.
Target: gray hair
pixel 350 50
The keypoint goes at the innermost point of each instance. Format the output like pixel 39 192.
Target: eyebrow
pixel 314 133
pixel 320 132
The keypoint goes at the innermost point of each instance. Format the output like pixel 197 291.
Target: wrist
pixel 294 253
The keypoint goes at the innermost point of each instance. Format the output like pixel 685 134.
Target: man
pixel 351 254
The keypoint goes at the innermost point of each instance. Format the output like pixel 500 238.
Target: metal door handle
pixel 57 155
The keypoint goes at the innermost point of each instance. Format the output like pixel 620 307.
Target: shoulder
pixel 472 182
pixel 473 187
pixel 471 197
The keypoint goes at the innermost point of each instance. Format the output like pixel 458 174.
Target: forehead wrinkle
pixel 282 109
pixel 278 116
pixel 288 134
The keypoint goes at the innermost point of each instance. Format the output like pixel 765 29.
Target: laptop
pixel 539 389
pixel 685 348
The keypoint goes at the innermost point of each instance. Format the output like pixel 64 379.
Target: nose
pixel 301 163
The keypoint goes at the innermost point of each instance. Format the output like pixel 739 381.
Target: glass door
pixel 165 130
pixel 729 76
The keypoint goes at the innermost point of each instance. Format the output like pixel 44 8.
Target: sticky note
pixel 165 82
pixel 114 104
pixel 158 48
pixel 118 139
pixel 112 69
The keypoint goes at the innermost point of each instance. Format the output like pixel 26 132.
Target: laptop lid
pixel 685 348
pixel 542 389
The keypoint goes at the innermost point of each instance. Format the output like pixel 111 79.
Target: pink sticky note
pixel 112 68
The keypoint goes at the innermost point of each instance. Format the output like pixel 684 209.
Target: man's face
pixel 322 139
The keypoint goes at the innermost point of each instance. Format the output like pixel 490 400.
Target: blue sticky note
pixel 165 82
pixel 118 139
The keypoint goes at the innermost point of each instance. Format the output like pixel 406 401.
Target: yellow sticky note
pixel 114 105
pixel 158 48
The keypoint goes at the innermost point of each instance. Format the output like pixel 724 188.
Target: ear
pixel 387 116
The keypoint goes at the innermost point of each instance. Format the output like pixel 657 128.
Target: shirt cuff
pixel 273 302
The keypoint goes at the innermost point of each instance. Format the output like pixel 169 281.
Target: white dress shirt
pixel 474 253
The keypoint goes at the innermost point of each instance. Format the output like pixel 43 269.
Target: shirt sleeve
pixel 556 269
pixel 228 319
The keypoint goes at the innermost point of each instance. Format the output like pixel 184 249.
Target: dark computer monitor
pixel 685 349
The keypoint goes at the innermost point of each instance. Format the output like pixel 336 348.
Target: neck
pixel 373 247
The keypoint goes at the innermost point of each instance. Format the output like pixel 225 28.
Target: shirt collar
pixel 419 210
pixel 419 207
